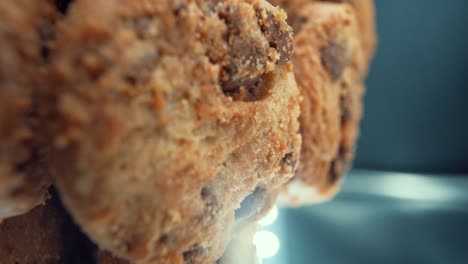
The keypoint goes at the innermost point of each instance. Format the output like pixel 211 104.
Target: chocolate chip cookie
pixel 175 120
pixel 25 34
pixel 329 65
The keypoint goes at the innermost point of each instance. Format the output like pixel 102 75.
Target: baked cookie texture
pixel 330 64
pixel 25 33
pixel 44 235
pixel 175 120
pixel 106 257
pixel 365 13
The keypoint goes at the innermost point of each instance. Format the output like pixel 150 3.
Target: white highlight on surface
pixel 415 188
pixel 267 244
pixel 299 194
pixel 409 186
pixel 270 218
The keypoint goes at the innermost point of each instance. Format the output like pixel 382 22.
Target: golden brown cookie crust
pixel 367 22
pixel 171 113
pixel 106 257
pixel 24 35
pixel 365 13
pixel 329 66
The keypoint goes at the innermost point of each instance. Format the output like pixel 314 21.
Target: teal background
pixel 416 103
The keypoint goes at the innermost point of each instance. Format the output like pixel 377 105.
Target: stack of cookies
pixel 152 131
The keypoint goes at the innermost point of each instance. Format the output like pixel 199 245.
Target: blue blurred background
pixel 416 114
pixel 407 199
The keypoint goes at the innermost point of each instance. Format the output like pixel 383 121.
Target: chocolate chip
pixel 179 8
pixel 346 108
pixel 191 254
pixel 251 204
pixel 339 165
pixel 278 37
pixel 208 196
pixel 212 206
pixel 163 239
pixel 244 73
pixel 62 5
pixel 245 56
pixel 333 173
pixel 130 79
pixel 46 35
pixel 243 90
pixel 334 59
pixel 289 160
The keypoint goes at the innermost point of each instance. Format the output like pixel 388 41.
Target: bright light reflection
pixel 270 218
pixel 417 188
pixel 267 244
